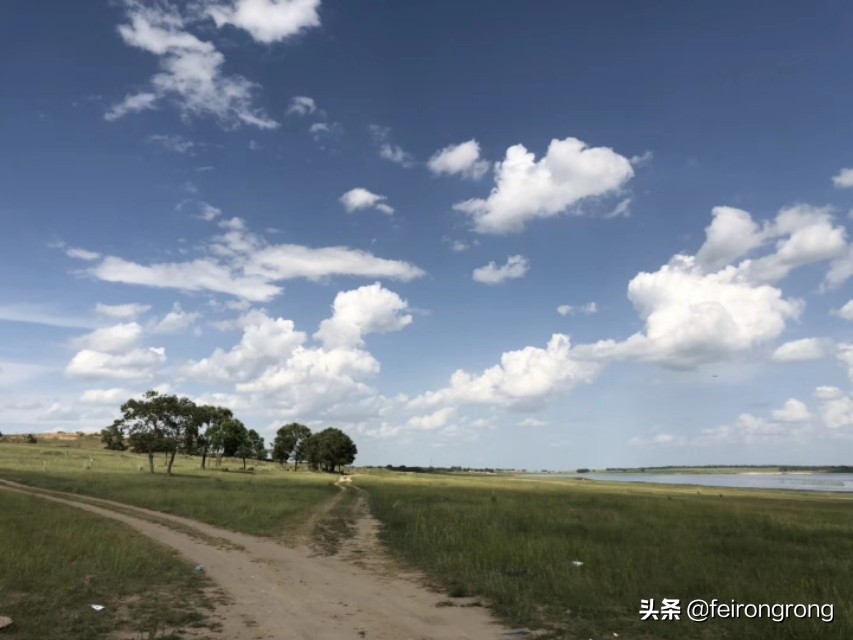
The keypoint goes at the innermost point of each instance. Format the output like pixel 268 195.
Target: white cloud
pixel 267 21
pixel 846 312
pixel 137 364
pixel 586 309
pixel 190 69
pixel 382 138
pixel 801 350
pixel 835 407
pixel 82 254
pixel 114 396
pixel 396 155
pixel 693 318
pixel 623 208
pixel 463 159
pixel 208 212
pixel 114 339
pixel 792 411
pixel 840 270
pixel 132 103
pixel 516 267
pixel 524 378
pixel 196 275
pixel 174 321
pixel 432 421
pixel 532 422
pixel 845 356
pixel 175 143
pixel 357 313
pixel 526 189
pixel 121 311
pixel 844 179
pixel 359 198
pixel 302 106
pixel 731 234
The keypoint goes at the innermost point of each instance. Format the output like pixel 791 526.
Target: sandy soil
pixel 278 592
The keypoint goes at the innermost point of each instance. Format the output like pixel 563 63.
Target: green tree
pixel 209 441
pixel 256 441
pixel 145 434
pixel 333 449
pixel 233 434
pixel 113 437
pixel 290 441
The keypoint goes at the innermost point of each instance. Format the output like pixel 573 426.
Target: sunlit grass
pixel 56 561
pixel 263 502
pixel 513 542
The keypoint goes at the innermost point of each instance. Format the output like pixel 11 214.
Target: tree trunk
pixel 170 463
pixel 244 464
pixel 203 457
pixel 151 462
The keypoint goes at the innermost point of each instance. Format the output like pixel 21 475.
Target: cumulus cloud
pixel 267 21
pixel 844 179
pixel 792 411
pixel 113 396
pixel 526 189
pixel 117 338
pixel 693 318
pixel 532 422
pixel 586 309
pixel 801 350
pixel 731 235
pixel 190 68
pixel 515 267
pixel 432 421
pixel 835 407
pixel 846 312
pixel 360 198
pixel 175 321
pixel 362 311
pixel 524 378
pixel 122 311
pixel 462 159
pixel 845 356
pixel 137 364
pixel 273 364
pixel 301 106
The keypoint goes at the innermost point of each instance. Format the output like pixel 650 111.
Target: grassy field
pixel 55 561
pixel 513 542
pixel 265 502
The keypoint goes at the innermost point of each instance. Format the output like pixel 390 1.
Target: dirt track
pixel 278 592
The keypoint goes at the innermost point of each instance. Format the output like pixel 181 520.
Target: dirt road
pixel 278 592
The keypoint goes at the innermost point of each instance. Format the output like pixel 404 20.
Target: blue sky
pixel 534 235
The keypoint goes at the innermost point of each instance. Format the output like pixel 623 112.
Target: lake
pixel 788 481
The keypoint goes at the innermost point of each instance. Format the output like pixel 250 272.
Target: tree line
pixel 160 423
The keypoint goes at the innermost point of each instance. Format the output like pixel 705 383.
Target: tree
pixel 159 423
pixel 113 437
pixel 256 442
pixel 329 449
pixel 290 440
pixel 210 441
pixel 233 434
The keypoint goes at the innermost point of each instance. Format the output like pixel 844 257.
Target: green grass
pixel 263 502
pixel 55 561
pixel 512 541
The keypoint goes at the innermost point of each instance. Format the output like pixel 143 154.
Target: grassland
pixel 56 561
pixel 266 501
pixel 513 543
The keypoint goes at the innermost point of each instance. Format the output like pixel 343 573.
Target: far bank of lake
pixel 797 481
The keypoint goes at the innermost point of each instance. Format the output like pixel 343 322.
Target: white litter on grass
pixel 97 607
pixel 5 622
pixel 577 563
pixel 199 569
